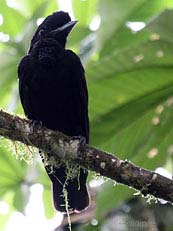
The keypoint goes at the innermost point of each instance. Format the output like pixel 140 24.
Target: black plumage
pixel 53 91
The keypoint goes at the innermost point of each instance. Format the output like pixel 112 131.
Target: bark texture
pixel 91 158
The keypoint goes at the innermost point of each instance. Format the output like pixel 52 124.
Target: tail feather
pixel 77 194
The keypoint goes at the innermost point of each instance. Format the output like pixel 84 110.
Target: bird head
pixel 56 26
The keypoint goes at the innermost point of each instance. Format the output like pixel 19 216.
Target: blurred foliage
pixel 130 81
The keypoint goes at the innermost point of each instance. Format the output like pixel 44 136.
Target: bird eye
pixel 41 32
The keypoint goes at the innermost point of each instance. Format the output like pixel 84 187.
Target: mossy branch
pixel 63 147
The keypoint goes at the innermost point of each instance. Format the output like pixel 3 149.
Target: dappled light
pixel 127 51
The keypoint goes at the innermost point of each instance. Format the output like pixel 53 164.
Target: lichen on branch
pixel 63 148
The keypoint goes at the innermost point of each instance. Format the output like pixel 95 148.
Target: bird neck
pixel 47 51
pixel 47 42
pixel 62 42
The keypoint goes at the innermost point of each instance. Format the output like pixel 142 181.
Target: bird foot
pixel 35 123
pixel 81 139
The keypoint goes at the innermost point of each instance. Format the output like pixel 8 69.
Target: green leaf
pixel 12 171
pixel 84 10
pixel 110 197
pixel 48 203
pixel 13 20
pixel 114 13
pixel 44 8
pixel 8 198
pixel 117 14
pixel 21 197
pixel 128 82
pixel 148 9
pixel 29 8
pixel 162 25
pixel 77 35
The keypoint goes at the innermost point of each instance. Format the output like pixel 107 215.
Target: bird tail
pixel 77 197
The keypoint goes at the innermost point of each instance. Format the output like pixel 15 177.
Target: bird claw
pixel 81 139
pixel 35 123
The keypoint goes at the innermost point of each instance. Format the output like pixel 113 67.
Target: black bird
pixel 53 91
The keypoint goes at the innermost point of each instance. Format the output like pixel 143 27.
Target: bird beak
pixel 65 28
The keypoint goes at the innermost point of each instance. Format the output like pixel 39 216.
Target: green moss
pixel 22 151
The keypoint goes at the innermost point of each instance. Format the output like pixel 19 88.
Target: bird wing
pixel 56 96
pixel 76 70
pixel 24 72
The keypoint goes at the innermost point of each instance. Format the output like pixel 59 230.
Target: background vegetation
pixel 129 70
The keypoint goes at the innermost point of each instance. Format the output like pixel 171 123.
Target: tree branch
pixel 63 147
